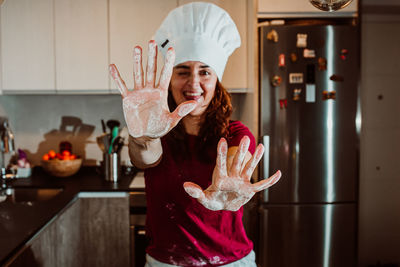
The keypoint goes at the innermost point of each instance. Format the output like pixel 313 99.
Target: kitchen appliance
pixel 309 114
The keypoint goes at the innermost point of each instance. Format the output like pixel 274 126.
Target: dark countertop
pixel 19 222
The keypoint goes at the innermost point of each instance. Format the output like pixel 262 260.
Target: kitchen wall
pixel 379 221
pixel 36 121
pixel 41 122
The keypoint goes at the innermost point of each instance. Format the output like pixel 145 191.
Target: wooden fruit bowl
pixel 62 168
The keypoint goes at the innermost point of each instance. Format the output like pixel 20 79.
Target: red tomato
pixel 46 157
pixel 66 153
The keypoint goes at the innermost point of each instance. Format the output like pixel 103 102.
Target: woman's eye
pixel 183 73
pixel 205 72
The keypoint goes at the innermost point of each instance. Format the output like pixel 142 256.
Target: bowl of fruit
pixel 62 164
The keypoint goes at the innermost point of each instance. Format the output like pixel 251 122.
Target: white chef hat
pixel 199 31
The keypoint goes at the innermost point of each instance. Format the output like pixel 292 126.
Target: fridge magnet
pixel 308 53
pixel 336 78
pixel 293 57
pixel 296 94
pixel 282 60
pixel 326 95
pixel 322 63
pixel 310 93
pixel 283 103
pixel 276 80
pixel 301 40
pixel 272 35
pixel 343 54
pixel 295 77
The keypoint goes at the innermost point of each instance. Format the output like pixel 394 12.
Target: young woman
pixel 198 163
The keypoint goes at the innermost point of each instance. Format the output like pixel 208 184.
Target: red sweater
pixel 183 232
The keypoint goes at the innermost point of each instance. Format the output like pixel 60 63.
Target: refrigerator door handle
pixel 265 174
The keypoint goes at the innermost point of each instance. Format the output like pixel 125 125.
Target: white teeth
pixel 192 94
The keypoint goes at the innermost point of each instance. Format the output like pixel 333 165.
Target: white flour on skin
pixel 226 200
pixel 268 182
pixel 151 62
pixel 168 66
pixel 186 109
pixel 141 97
pixel 138 68
pixel 132 121
pixel 230 192
pixel 254 160
pixel 243 148
pixel 157 127
pixel 221 159
pixel 117 79
pixel 144 113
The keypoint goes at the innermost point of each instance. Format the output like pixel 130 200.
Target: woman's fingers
pixel 194 190
pixel 264 184
pixel 222 151
pixel 252 163
pixel 181 111
pixel 137 67
pixel 240 154
pixel 151 64
pixel 118 80
pixel 166 72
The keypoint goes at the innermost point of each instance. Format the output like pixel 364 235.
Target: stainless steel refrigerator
pixel 309 122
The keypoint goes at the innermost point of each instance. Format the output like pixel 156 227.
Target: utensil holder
pixel 112 167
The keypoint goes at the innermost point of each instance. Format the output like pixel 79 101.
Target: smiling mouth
pixel 192 95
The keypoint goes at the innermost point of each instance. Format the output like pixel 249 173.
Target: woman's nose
pixel 194 78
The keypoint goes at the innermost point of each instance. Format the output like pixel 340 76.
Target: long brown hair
pixel 215 126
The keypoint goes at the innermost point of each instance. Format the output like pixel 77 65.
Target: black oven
pixel 138 236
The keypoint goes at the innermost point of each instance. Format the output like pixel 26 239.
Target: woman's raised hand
pixel 231 188
pixel 146 107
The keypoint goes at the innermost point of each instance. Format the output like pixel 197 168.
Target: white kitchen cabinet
pixel 27 46
pixel 134 23
pixel 81 45
pixel 300 8
pixel 65 46
pixel 236 73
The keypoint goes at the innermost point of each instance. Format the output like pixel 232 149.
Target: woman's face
pixel 193 80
